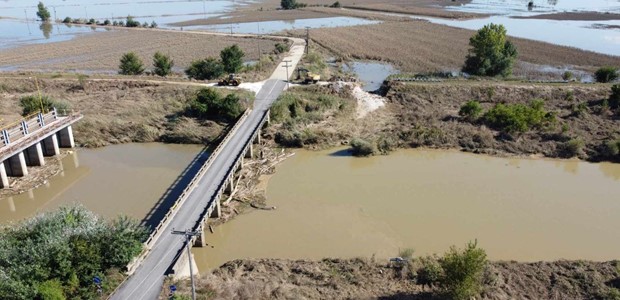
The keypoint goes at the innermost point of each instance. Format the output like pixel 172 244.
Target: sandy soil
pixel 575 16
pixel 420 46
pixel 369 279
pixel 100 53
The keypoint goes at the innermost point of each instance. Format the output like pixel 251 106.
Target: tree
pixel 51 290
pixel 471 110
pixel 209 103
pixel 205 69
pixel 491 54
pixel 131 22
pixel 32 104
pixel 288 4
pixel 606 74
pixel 43 13
pixel 162 64
pixel 131 64
pixel 232 58
pixel 463 270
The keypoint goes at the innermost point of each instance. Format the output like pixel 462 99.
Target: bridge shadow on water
pixel 165 202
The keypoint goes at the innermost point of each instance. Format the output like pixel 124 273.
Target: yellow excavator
pixel 231 79
pixel 307 76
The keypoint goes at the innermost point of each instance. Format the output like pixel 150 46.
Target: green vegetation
pixel 281 48
pixel 67 20
pixel 568 75
pixel 463 270
pixel 491 54
pixel 514 118
pixel 56 255
pixel 131 64
pixel 572 148
pixel 430 272
pixel 205 69
pixel 43 13
pixel 209 103
pixel 32 104
pixel 614 98
pixel 130 22
pixel 232 58
pixel 606 74
pixel 162 64
pixel 360 147
pixel 288 4
pixel 471 110
pixel 336 5
pixel 611 148
pixel 406 253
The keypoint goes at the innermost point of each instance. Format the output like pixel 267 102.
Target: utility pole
pixel 27 23
pixel 307 39
pixel 286 66
pixel 258 33
pixel 188 237
pixel 54 7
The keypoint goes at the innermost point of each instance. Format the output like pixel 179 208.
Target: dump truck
pixel 231 79
pixel 307 76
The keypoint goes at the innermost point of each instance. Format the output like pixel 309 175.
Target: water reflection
pixel 46 28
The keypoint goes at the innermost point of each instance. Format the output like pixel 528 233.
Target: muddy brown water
pixel 330 205
pixel 123 179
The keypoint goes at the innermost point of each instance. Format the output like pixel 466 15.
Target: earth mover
pixel 307 76
pixel 231 79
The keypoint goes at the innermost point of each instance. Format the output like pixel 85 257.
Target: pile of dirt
pixel 368 279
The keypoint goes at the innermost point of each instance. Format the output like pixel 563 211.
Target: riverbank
pixel 364 278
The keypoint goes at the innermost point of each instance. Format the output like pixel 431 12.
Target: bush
pixel 205 69
pixel 130 22
pixel 471 110
pixel 491 54
pixel 288 4
pixel 406 254
pixel 568 75
pixel 131 64
pixel 51 290
pixel 209 103
pixel 572 148
pixel 513 118
pixel 360 147
pixel 430 273
pixel 336 5
pixel 67 20
pixel 32 104
pixel 153 24
pixel 281 48
pixel 614 98
pixel 232 58
pixel 162 64
pixel 43 13
pixel 106 22
pixel 611 148
pixel 606 74
pixel 463 271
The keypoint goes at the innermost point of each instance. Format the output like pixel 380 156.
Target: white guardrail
pixel 148 244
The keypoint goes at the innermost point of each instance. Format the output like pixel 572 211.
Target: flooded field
pixel 517 209
pixel 268 27
pixel 371 74
pixel 125 179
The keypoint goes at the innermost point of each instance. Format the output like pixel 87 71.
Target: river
pixel 333 205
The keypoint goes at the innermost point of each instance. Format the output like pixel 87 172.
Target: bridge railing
pixel 148 244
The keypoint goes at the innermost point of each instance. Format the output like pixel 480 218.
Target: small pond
pixel 371 74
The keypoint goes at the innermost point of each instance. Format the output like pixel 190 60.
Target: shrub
pixel 360 147
pixel 336 5
pixel 91 22
pixel 606 74
pixel 153 24
pixel 513 118
pixel 232 58
pixel 106 22
pixel 281 48
pixel 430 273
pixel 471 110
pixel 611 148
pixel 572 148
pixel 121 23
pixel 131 64
pixel 162 64
pixel 67 20
pixel 491 54
pixel 43 13
pixel 288 4
pixel 406 254
pixel 205 69
pixel 614 98
pixel 145 24
pixel 32 104
pixel 209 103
pixel 568 75
pixel 463 271
pixel 130 22
pixel 115 23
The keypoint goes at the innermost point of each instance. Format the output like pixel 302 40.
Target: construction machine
pixel 307 76
pixel 231 79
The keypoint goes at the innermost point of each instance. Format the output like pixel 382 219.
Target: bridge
pixel 203 196
pixel 27 142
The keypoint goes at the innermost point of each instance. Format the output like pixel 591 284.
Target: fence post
pixel 6 137
pixel 54 113
pixel 41 119
pixel 24 127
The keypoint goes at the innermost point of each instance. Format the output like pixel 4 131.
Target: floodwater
pixel 122 179
pixel 20 32
pixel 428 200
pixel 586 35
pixel 371 74
pixel 268 27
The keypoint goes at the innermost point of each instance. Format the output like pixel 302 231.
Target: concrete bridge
pixel 28 142
pixel 204 195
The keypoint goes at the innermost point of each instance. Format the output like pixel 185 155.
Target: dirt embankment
pixel 574 16
pixel 368 279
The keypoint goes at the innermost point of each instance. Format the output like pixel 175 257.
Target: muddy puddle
pixel 268 27
pixel 371 74
pixel 517 209
pixel 123 179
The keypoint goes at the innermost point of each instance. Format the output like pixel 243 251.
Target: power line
pixel 188 237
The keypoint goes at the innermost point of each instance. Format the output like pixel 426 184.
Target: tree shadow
pixel 342 153
pixel 413 296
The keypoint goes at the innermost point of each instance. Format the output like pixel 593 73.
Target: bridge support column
pixel 34 155
pixel 50 146
pixel 200 240
pixel 4 179
pixel 17 165
pixel 217 210
pixel 66 137
pixel 249 151
pixel 257 138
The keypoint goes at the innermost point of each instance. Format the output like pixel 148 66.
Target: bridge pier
pixel 217 210
pixel 50 146
pixel 201 239
pixel 17 165
pixel 66 137
pixel 34 155
pixel 248 152
pixel 4 179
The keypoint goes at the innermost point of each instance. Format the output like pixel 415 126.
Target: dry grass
pixel 101 52
pixel 420 46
